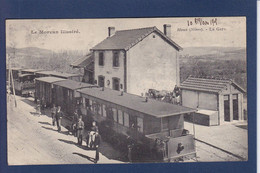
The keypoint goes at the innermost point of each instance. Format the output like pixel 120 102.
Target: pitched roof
pixel 71 84
pixel 49 79
pixel 85 61
pixel 208 84
pixel 125 39
pixel 152 107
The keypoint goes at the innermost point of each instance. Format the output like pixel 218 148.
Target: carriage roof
pixel 49 79
pixel 154 108
pixel 25 75
pixel 31 70
pixel 73 85
pixel 55 73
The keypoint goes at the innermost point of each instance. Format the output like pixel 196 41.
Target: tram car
pixel 75 77
pixel 65 94
pixel 24 84
pixel 44 89
pixel 151 129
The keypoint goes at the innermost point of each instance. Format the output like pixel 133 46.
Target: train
pixel 24 79
pixel 152 130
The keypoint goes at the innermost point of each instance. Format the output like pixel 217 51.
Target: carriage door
pixel 53 96
pixel 226 108
pixel 235 107
pixel 133 126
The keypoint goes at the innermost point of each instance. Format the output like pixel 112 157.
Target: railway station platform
pixel 231 138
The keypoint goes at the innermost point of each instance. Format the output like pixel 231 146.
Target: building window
pixel 101 59
pixel 101 81
pixel 116 84
pixel 120 117
pixel 115 59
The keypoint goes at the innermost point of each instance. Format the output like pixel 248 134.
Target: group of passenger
pixel 92 138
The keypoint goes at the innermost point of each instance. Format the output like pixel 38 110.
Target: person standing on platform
pixel 74 122
pixel 59 116
pixel 53 114
pixel 94 126
pixel 80 130
pixel 97 143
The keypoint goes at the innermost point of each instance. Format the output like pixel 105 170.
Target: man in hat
pixel 59 116
pixel 80 130
pixel 96 144
pixel 53 114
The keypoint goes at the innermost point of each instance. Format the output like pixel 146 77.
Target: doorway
pixel 226 108
pixel 235 107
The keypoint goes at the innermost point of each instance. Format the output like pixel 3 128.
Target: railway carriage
pixel 44 89
pixel 23 80
pixel 156 129
pixel 66 96
pixel 24 84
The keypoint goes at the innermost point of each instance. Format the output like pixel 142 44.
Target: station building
pixel 217 100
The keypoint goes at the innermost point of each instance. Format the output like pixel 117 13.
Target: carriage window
pixel 115 59
pixel 71 95
pixel 104 110
pixel 86 102
pixel 99 108
pixel 120 117
pixel 90 105
pixel 101 59
pixel 114 114
pixel 140 127
pixel 126 119
pixel 165 123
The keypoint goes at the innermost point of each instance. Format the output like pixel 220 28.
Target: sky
pixel 187 32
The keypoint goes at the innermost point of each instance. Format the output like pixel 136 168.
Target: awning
pixel 84 62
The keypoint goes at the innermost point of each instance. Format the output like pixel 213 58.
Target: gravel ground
pixel 33 140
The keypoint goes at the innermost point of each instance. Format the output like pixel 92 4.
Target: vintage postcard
pixel 126 90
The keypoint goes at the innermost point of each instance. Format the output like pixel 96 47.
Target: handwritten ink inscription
pixel 201 24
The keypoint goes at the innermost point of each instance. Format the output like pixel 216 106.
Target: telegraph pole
pixel 11 79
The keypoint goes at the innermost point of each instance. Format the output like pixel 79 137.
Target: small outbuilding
pixel 216 100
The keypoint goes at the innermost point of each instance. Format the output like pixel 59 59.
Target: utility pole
pixel 11 79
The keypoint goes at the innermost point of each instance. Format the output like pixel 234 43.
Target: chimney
pixel 167 30
pixel 111 31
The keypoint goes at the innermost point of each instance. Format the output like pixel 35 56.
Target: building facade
pixel 137 60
